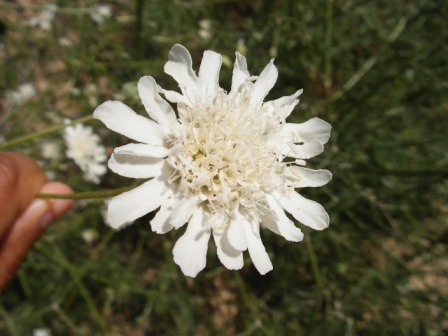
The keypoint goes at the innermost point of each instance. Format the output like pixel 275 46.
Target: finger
pixel 20 181
pixel 28 227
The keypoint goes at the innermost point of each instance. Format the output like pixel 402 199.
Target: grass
pixel 377 71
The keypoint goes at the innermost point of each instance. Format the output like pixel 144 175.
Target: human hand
pixel 23 218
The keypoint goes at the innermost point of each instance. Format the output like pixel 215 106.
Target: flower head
pixel 84 148
pixel 100 13
pixel 219 164
pixel 23 94
pixel 205 29
pixel 50 150
pixel 41 332
pixel 45 18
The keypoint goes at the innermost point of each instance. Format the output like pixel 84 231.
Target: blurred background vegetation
pixel 376 70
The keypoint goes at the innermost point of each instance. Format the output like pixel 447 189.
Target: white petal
pixel 229 256
pixel 314 129
pixel 175 97
pixel 270 222
pixel 98 169
pixel 235 233
pixel 160 223
pixel 284 105
pixel 240 73
pixel 209 72
pixel 256 248
pixel 282 224
pixel 305 151
pixel 142 150
pixel 120 118
pixel 174 212
pixel 300 177
pixel 190 250
pixel 157 108
pixel 137 166
pixel 182 212
pixel 136 203
pixel 264 83
pixel 306 211
pixel 179 66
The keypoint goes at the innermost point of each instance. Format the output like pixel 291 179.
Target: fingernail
pixel 46 220
pixel 42 209
pixel 55 209
pixel 37 212
pixel 58 207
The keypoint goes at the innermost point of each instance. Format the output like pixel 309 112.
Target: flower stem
pixel 64 10
pixel 41 133
pixel 86 195
pixel 314 262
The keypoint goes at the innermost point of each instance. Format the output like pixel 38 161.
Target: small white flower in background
pixel 75 91
pixel 51 175
pixel 219 164
pixel 241 46
pixel 45 18
pixel 82 204
pixel 128 91
pixel 90 236
pixel 91 92
pixel 23 94
pixel 51 150
pixel 41 332
pixel 205 30
pixel 100 13
pixel 84 148
pixel 65 42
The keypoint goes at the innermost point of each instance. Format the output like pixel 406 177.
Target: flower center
pixel 220 153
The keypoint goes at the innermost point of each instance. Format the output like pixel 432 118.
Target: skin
pixel 23 218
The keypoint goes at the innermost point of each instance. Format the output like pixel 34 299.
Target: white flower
pixel 219 164
pixel 84 148
pixel 51 175
pixel 51 150
pixel 100 13
pixel 75 91
pixel 45 18
pixel 91 91
pixel 241 46
pixel 205 31
pixel 23 94
pixel 41 332
pixel 128 91
pixel 65 42
pixel 90 236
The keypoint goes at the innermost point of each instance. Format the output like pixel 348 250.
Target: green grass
pixel 376 70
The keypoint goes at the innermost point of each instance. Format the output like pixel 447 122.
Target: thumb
pixel 28 227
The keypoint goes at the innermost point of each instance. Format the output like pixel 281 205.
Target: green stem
pixel 139 11
pixel 89 194
pixel 327 59
pixel 44 132
pixel 64 10
pixel 314 262
pixel 65 318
